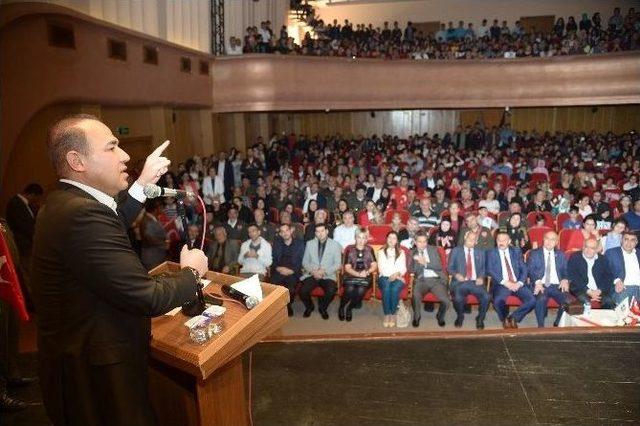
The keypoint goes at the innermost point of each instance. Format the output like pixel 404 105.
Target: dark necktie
pixel 547 271
pixel 509 270
pixel 469 266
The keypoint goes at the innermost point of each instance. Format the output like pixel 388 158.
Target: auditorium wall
pixel 376 12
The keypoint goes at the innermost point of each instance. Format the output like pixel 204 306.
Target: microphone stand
pixel 197 306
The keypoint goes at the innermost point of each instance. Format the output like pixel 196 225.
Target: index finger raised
pixel 156 152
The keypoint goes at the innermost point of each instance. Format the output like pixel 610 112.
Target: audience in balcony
pixel 459 41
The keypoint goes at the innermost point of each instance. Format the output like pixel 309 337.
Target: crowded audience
pixel 590 35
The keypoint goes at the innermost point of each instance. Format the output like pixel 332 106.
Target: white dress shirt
pixel 553 275
pixel 136 191
pixel 427 272
pixel 504 256
pixel 631 268
pixel 376 194
pixel 591 281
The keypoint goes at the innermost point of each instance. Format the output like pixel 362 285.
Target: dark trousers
pixel 460 292
pixel 9 331
pixel 288 281
pixel 353 295
pixel 309 284
pixel 434 285
pixel 551 292
pixel 606 300
pixel 524 293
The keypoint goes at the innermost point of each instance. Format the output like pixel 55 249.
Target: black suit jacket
pixel 94 301
pixel 578 279
pixel 229 178
pixel 22 224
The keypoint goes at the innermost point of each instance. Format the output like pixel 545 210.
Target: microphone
pixel 249 301
pixel 154 191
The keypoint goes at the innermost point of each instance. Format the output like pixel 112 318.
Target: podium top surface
pixel 242 328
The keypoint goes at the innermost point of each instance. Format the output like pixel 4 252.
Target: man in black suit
pixel 224 169
pixel 93 295
pixel 21 217
pixel 590 278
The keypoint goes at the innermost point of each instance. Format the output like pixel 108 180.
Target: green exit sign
pixel 123 130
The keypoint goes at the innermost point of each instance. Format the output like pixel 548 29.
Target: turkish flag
pixel 9 285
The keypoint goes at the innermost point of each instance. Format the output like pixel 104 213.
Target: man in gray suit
pixel 223 252
pixel 429 277
pixel 321 261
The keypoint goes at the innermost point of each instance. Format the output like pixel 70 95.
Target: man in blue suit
pixel 548 275
pixel 508 273
pixel 590 278
pixel 624 262
pixel 467 268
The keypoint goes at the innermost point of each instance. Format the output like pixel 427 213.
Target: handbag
pixel 403 315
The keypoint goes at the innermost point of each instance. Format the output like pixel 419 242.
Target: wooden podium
pixel 191 384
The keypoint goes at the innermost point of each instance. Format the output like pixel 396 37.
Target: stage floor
pixel 521 379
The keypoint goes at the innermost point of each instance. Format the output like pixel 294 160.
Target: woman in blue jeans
pixel 392 264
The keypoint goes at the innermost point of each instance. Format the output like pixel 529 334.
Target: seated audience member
pixel 484 237
pixel 321 261
pixel 584 207
pixel 236 229
pixel 320 217
pixel 255 254
pixel 444 237
pixel 455 216
pixel 547 269
pixel 467 270
pixel 633 216
pixel 194 237
pixel 624 262
pixel 397 226
pixel 367 215
pixel 426 217
pixel 412 228
pixel 589 229
pixel 426 266
pixel 296 227
pixel 345 233
pixel 517 231
pixel 508 273
pixel 539 203
pixel 490 202
pixel 154 239
pixel 267 229
pixel 392 264
pixel 590 277
pixel 223 252
pixel 574 221
pixel 359 266
pixel 485 220
pixel 286 268
pixel 614 237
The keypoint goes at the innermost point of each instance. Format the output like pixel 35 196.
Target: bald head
pixel 550 240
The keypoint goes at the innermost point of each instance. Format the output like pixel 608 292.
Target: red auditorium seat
pixel 571 239
pixel 275 215
pixel 549 220
pixel 537 234
pixel 378 233
pixel 561 219
pixel 404 215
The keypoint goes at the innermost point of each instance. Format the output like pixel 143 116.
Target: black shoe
pixel 10 405
pixel 458 322
pixel 415 323
pixel 479 324
pixel 289 311
pixel 440 318
pixel 340 313
pixel 324 315
pixel 307 312
pixel 20 382
pixel 349 315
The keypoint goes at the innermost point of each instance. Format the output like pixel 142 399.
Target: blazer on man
pixel 616 262
pixel 494 266
pixel 578 271
pixel 94 301
pixel 536 265
pixel 458 263
pixel 22 224
pixel 331 260
pixel 435 263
